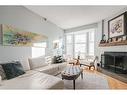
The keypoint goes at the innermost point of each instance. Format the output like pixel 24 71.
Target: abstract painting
pixel 16 37
pixel 116 26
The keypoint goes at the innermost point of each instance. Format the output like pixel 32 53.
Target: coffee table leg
pixel 74 84
pixel 82 75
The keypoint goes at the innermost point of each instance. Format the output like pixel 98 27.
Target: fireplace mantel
pixel 113 44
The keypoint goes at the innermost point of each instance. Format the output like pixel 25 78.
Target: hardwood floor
pixel 112 82
pixel 116 84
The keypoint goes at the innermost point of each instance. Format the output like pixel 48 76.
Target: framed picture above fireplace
pixel 117 26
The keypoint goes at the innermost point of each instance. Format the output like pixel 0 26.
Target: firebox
pixel 115 62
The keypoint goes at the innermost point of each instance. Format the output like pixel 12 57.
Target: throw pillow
pixel 13 69
pixel 48 60
pixel 2 73
pixel 37 62
pixel 58 59
pixel 25 64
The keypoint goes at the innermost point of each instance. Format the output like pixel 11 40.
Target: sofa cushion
pixel 49 69
pixel 35 80
pixel 2 73
pixel 52 69
pixel 28 73
pixel 37 62
pixel 13 69
pixel 62 66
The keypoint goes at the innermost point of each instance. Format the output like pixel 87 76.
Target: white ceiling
pixel 73 16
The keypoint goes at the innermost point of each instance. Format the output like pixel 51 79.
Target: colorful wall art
pixel 16 37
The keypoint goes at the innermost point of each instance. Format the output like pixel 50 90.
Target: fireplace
pixel 115 62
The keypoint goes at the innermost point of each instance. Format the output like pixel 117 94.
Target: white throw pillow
pixel 25 64
pixel 48 60
pixel 37 62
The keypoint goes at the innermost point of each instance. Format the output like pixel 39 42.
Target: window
pixel 69 44
pixel 80 42
pixel 91 43
pixel 69 39
pixel 38 49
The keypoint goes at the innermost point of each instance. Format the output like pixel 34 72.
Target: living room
pixel 51 41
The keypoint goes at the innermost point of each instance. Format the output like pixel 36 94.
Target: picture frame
pixel 55 45
pixel 117 26
pixel 12 36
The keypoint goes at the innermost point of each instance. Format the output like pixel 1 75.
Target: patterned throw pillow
pixel 2 73
pixel 58 59
pixel 13 69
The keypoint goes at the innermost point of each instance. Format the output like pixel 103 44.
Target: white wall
pixel 98 35
pixel 22 18
pixel 81 27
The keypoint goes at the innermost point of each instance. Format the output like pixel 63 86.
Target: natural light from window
pixel 38 49
pixel 80 41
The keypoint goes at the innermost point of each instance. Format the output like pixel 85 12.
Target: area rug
pixel 89 81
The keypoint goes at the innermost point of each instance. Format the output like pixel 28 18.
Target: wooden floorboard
pixel 112 82
pixel 116 84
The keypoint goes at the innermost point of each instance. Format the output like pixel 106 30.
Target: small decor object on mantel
pixel 110 40
pixel 116 39
pixel 103 39
pixel 124 38
pixel 117 26
pixel 113 39
pixel 107 41
pixel 119 39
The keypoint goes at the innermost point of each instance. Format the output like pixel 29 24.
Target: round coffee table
pixel 72 72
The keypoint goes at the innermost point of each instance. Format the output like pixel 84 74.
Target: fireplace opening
pixel 115 62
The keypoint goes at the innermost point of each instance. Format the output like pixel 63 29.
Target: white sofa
pixel 39 75
pixel 52 69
